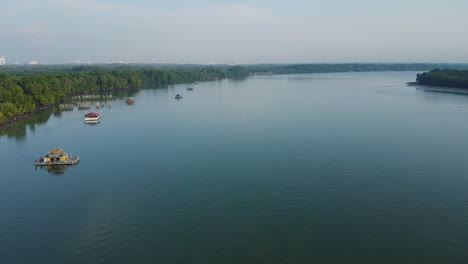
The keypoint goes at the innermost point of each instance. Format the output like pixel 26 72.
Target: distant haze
pixel 256 31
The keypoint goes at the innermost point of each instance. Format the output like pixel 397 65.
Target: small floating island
pixel 57 157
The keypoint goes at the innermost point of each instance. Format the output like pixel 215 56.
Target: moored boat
pixel 57 157
pixel 178 96
pixel 92 117
pixel 190 88
pixel 130 100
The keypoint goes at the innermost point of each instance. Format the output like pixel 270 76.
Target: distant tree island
pixel 444 78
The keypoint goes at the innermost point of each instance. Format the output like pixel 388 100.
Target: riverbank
pixel 19 94
pixel 25 115
pixel 29 114
pixel 26 92
pixel 444 78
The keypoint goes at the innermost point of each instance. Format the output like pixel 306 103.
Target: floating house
pixel 57 157
pixel 92 117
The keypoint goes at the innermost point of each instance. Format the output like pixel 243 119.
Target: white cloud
pixel 90 7
pixel 254 32
pixel 38 32
pixel 221 13
pixel 225 14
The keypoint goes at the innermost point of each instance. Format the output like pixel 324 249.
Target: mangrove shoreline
pixel 28 90
pixel 24 95
pixel 444 78
pixel 41 108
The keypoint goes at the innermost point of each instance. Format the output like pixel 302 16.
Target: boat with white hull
pixel 92 117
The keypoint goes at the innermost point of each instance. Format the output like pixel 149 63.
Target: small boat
pixel 130 100
pixel 178 96
pixel 190 88
pixel 57 157
pixel 92 117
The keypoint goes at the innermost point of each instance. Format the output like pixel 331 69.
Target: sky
pixel 242 32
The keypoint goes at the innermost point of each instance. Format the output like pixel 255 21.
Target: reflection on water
pixel 447 98
pixel 266 170
pixel 434 89
pixel 55 170
pixel 19 130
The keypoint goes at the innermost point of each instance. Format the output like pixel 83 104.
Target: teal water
pixel 314 168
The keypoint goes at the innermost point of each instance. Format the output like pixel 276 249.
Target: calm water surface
pixel 316 168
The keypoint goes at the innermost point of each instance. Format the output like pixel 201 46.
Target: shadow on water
pixel 54 170
pixel 449 99
pixel 19 130
pixel 449 90
pixel 453 96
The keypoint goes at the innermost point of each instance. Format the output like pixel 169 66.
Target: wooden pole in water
pixel 99 81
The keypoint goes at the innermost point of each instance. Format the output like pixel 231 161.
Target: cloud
pixel 38 32
pixel 90 7
pixel 249 31
pixel 226 13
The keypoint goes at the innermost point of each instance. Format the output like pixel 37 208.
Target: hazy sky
pixel 256 31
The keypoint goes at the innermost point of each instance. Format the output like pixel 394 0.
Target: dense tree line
pixel 350 67
pixel 24 93
pixel 24 88
pixel 447 78
pixel 24 70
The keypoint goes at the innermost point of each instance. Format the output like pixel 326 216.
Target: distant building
pixel 216 63
pixel 2 60
pixel 33 62
pixel 78 62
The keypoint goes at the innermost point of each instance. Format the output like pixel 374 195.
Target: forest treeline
pixel 24 88
pixel 351 67
pixel 20 93
pixel 24 70
pixel 446 78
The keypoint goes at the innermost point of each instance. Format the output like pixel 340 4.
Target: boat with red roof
pixel 92 117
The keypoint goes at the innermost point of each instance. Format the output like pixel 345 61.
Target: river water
pixel 312 168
